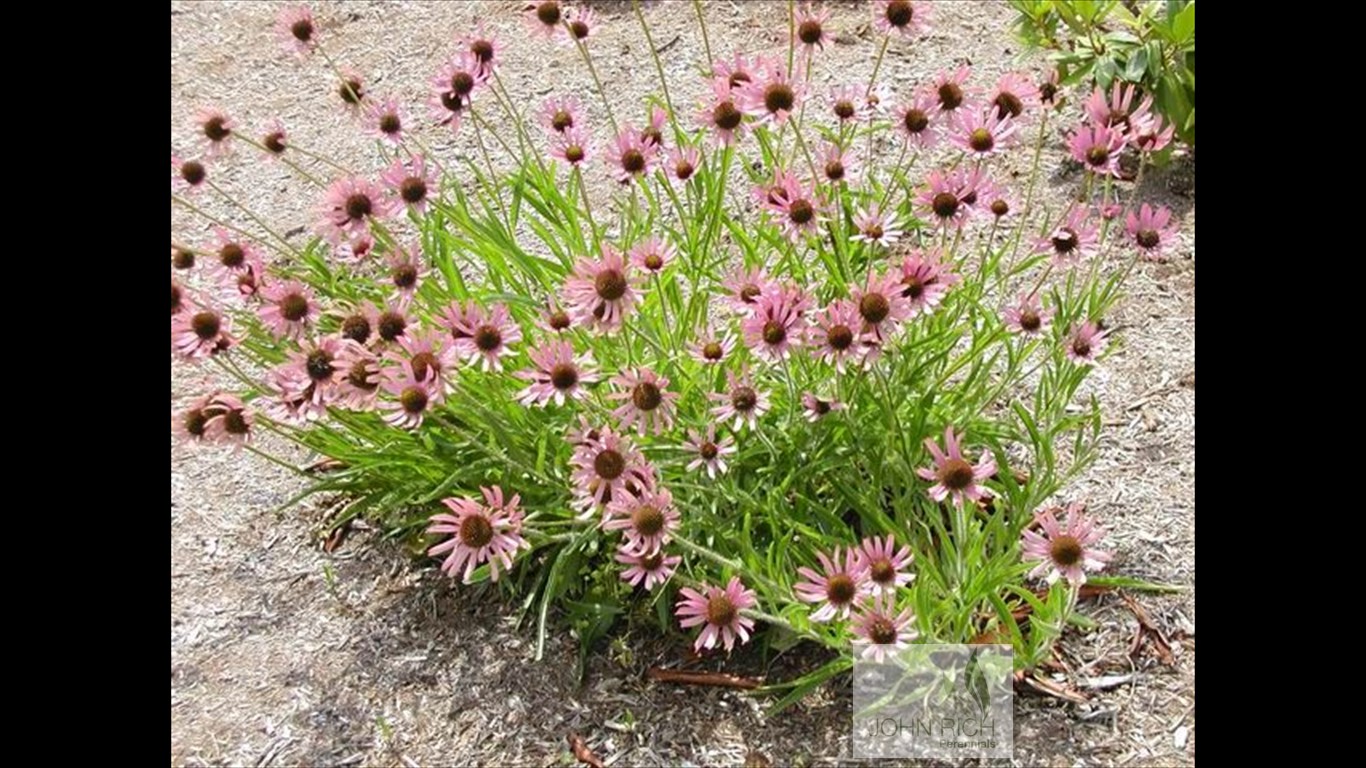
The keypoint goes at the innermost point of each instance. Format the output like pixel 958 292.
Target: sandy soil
pixel 284 655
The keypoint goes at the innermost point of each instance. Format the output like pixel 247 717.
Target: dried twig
pixel 1147 628
pixel 1049 688
pixel 721 679
pixel 581 751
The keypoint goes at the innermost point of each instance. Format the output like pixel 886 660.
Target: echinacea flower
pixel 600 292
pixel 925 280
pixel 201 333
pixel 275 139
pixel 946 197
pixel 411 181
pixel 776 324
pixel 216 129
pixel 1151 231
pixel 412 397
pixel 885 566
pixel 811 30
pixel 713 349
pixel 982 133
pixel 708 452
pixel 288 308
pixel 834 332
pixel 948 88
pixel 391 323
pixel 349 206
pixel 653 132
pixel 1151 134
pixel 384 121
pixel 736 72
pixel 406 271
pixel 453 86
pixel 429 355
pixel 645 520
pixel 187 175
pixel 1027 317
pixel 722 115
pixel 544 18
pixel 1087 344
pixel 720 611
pixel 915 120
pixel 633 157
pixel 486 336
pixel 295 27
pixel 885 630
pixel 741 403
pixel 1097 148
pixel 652 255
pixel 848 103
pixel 1074 239
pixel 816 408
pixel 351 91
pixel 573 147
pixel 608 467
pixel 562 113
pixel 797 209
pixel 901 17
pixel 233 256
pixel 557 374
pixel 229 420
pixel 874 227
pixel 1049 87
pixel 837 586
pixel 355 250
pixel 773 96
pixel 581 22
pixel 555 320
pixel 483 48
pixel 996 198
pixel 683 163
pixel 1013 95
pixel 744 287
pixel 647 403
pixel 1064 550
pixel 881 306
pixel 652 569
pixel 480 533
pixel 952 475
pixel 359 324
pixel 359 377
pixel 838 165
pixel 182 259
pixel 193 422
pixel 1119 112
pixel 308 378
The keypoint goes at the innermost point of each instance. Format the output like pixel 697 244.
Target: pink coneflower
pixel 233 257
pixel 811 30
pixel 997 199
pixel 838 165
pixel 901 17
pixel 1027 317
pixel 952 474
pixel 775 325
pixel 816 408
pixel 558 375
pixel 349 206
pixel 200 332
pixel 713 349
pixel 412 397
pixel 406 271
pixel 655 121
pixel 187 175
pixel 946 197
pixel 653 569
pixel 1151 231
pixel 722 115
pixel 841 582
pixel 982 133
pixel 351 90
pixel 885 566
pixel 719 609
pixel 429 355
pixel 915 120
pixel 741 403
pixel 607 467
pixel 544 18
pixel 487 336
pixel 480 533
pixel 581 22
pixel 355 250
pixel 193 422
pixel 275 139
pixel 652 255
pixel 773 96
pixel 886 631
pixel 384 121
pixel 289 308
pixel 215 129
pixel 1013 95
pixel 925 280
pixel 359 324
pixel 708 452
pixel 1119 112
pixel 561 113
pixel 834 334
pixel 948 88
pixel 573 147
pixel 483 47
pixel 229 420
pixel 1109 211
pixel 453 86
pixel 391 322
pixel 646 520
pixel 848 104
pixel 1087 344
pixel 411 182
pixel 736 72
pixel 683 163
pixel 554 319
pixel 798 211
pixel 874 227
pixel 308 378
pixel 600 293
pixel 1097 148
pixel 744 287
pixel 881 306
pixel 182 259
pixel 1049 87
pixel 358 377
pixel 1065 550
pixel 1072 240
pixel 1151 134
pixel 296 29
pixel 647 403
pixel 179 298
pixel 632 158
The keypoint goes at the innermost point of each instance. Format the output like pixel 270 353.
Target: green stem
pixel 706 43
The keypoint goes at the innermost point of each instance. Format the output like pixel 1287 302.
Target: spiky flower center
pixel 425 364
pixel 413 190
pixel 579 29
pixel 819 406
pixel 882 571
pixel 744 399
pixel 654 261
pixel 810 32
pixel 413 399
pixel 235 423
pixel 574 153
pixel 275 142
pixel 840 589
pixel 350 91
pixel 1097 156
pixel 1047 92
pixel 216 128
pixel 476 531
pixel 713 350
pixel 839 337
pixel 1030 320
pixel 915 120
pixel 405 276
pixel 955 475
pixel 392 325
pixel 683 170
pixel 845 109
pixel 725 116
pixel 914 287
pixel 779 97
pixel 646 396
pixel 834 170
pixel 482 50
pixel 192 171
pixel 302 30
pixel 294 307
pixel 610 284
pixel 882 631
pixel 801 212
pixel 488 338
pixel 737 77
pixel 206 325
pixel 944 204
pixel 950 95
pixel 774 333
pixel 1065 240
pixel 652 562
pixel 1065 550
pixel 182 259
pixel 1148 238
pixel 749 292
pixel 389 124
pixel 452 101
pixel 462 83
pixel 648 520
pixel 720 610
pixel 708 450
pixel 874 307
pixel 559 320
pixel 874 231
pixel 1008 104
pixel 1081 346
pixel 358 206
pixel 319 365
pixel 999 207
pixel 609 464
pixel 981 140
pixel 562 120
pixel 564 376
pixel 899 13
pixel 549 13
pixel 196 422
pixel 359 376
pixel 632 161
pixel 356 328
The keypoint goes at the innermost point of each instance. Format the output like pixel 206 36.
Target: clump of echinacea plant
pixel 798 365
